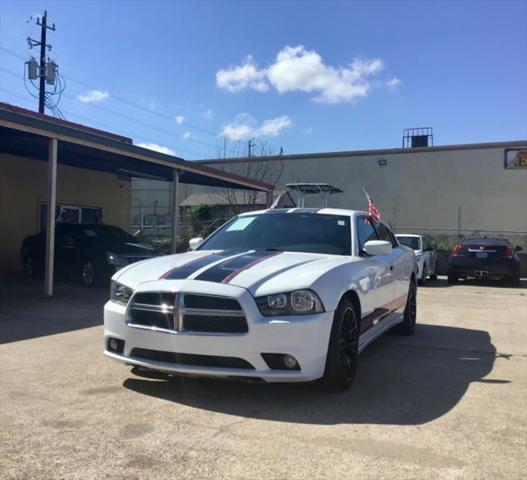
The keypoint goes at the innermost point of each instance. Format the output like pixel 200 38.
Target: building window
pixel 70 214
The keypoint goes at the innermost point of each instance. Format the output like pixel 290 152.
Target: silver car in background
pixel 425 254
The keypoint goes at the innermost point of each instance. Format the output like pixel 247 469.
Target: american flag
pixel 372 208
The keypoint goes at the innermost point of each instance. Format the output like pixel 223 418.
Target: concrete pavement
pixel 446 403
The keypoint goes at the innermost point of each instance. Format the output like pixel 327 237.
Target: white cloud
pixel 245 126
pixel 297 69
pixel 207 114
pixel 157 148
pixel 393 83
pixel 180 119
pixel 273 127
pixel 247 75
pixel 186 136
pixel 93 96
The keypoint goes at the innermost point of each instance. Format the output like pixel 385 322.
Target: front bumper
pixel 306 337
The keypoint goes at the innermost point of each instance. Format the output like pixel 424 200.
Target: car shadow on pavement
pixel 400 381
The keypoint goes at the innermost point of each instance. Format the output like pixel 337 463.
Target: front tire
pixel 407 326
pixel 343 349
pixel 89 274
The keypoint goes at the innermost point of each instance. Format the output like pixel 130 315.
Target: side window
pixel 365 232
pixel 426 245
pixel 385 234
pixel 395 242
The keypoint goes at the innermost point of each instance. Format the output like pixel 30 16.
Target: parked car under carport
pixel 87 253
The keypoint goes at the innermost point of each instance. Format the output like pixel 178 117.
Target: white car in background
pixel 425 254
pixel 283 295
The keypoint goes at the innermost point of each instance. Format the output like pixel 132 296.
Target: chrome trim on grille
pixel 178 311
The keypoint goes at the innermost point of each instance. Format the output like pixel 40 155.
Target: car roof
pixel 415 235
pixel 324 211
pixel 486 241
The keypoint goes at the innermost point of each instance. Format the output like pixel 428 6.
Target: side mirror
pixel 194 242
pixel 377 247
pixel 518 249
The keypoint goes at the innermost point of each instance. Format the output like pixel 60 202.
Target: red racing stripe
pixel 233 274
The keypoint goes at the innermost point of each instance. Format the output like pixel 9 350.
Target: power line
pixel 92 121
pixel 126 101
pixel 120 115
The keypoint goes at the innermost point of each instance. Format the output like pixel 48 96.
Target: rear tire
pixel 422 280
pixel 407 326
pixel 343 349
pixel 453 279
pixel 514 281
pixel 433 276
pixel 28 265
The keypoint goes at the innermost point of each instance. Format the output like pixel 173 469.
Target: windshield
pixel 294 232
pixel 412 242
pixel 106 233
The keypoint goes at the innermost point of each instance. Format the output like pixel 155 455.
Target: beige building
pixel 444 191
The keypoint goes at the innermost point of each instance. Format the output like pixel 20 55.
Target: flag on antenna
pixel 372 208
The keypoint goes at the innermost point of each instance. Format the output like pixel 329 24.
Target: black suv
pixel 89 253
pixel 492 258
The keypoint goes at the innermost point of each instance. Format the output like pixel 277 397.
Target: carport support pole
pixel 52 203
pixel 174 209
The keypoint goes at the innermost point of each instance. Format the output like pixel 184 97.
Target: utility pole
pixel 250 146
pixel 43 23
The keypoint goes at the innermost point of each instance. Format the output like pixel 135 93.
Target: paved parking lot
pixel 447 403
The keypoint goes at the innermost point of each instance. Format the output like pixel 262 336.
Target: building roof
pixel 26 134
pixel 233 198
pixel 374 152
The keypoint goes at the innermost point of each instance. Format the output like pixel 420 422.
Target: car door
pixel 376 281
pixel 397 266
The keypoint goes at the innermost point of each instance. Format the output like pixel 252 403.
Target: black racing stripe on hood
pixel 218 273
pixel 187 269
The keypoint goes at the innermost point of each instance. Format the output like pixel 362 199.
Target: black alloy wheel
pixel 28 266
pixel 88 273
pixel 407 326
pixel 343 350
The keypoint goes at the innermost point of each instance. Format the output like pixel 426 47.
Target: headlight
pixel 120 294
pixel 116 260
pixel 298 302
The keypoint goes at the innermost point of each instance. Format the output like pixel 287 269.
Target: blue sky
pixel 309 76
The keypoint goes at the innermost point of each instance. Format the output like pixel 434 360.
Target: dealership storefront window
pixel 71 214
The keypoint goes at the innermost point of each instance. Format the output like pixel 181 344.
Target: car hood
pixel 260 272
pixel 130 248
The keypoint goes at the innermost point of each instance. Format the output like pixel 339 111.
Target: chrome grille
pixel 186 312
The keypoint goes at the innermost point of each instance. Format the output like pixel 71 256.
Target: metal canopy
pixel 303 189
pixel 26 134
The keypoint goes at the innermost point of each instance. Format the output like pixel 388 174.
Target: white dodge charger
pixel 282 295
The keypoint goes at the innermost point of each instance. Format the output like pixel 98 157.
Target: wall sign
pixel 516 158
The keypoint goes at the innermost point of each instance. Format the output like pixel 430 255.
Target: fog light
pixel 115 345
pixel 290 362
